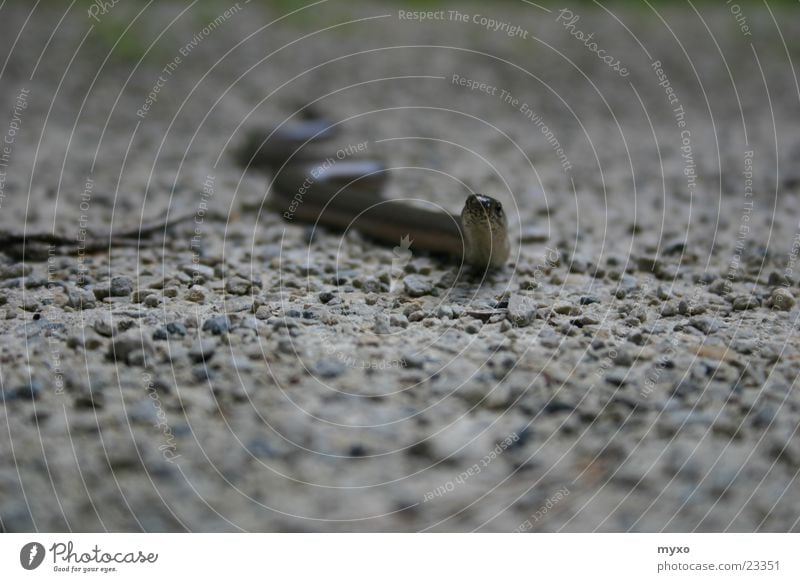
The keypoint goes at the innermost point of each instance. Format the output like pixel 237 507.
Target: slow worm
pixel 345 194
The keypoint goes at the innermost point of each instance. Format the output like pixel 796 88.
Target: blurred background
pixel 241 374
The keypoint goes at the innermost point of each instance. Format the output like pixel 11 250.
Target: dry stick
pixel 128 238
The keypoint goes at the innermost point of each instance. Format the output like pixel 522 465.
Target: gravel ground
pixel 634 368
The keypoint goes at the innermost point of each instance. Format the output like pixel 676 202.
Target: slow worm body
pixel 345 194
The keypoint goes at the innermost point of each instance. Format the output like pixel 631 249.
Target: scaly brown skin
pixel 347 195
pixel 485 229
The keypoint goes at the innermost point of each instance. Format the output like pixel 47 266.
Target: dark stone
pixel 203 350
pixel 130 347
pixel 329 369
pixel 30 391
pixel 555 406
pixel 357 451
pixel 176 328
pixel 417 286
pixel 121 286
pixel 217 325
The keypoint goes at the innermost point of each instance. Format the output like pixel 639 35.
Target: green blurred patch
pixel 131 45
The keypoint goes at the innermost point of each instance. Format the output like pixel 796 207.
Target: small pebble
pixel 176 328
pixel 472 327
pixel 707 325
pixel 564 308
pixel 217 325
pixel 139 295
pixel 781 299
pixel 152 301
pixel 202 350
pixel 130 347
pixel 104 325
pixel 197 294
pixel 120 286
pixel 720 287
pixel 237 286
pixel 744 302
pixel 417 286
pixel 329 369
pixel 199 273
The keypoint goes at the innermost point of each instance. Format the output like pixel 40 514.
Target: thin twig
pixel 13 243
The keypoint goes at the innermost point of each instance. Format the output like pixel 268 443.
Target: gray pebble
pixel 199 273
pixel 618 377
pixel 781 299
pixel 473 327
pixel 152 301
pixel 238 286
pixel 117 287
pixel 669 310
pixel 15 270
pixel 417 286
pixel 130 347
pixel 720 287
pixel 197 294
pixel 564 308
pixel 140 294
pixel 444 311
pixel 202 350
pixel 217 325
pixel 674 246
pixel 578 264
pixel 521 310
pixel 176 328
pixel 398 320
pixel 744 302
pixel 382 325
pixel 625 357
pixel 707 325
pixel 329 369
pixel 104 325
pixel 417 316
pixel 586 319
pixel 28 391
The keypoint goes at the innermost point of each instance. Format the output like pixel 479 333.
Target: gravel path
pixel 634 368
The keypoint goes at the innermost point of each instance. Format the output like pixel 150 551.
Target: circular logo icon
pixel 31 555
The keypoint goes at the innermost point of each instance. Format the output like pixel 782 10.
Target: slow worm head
pixel 485 228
